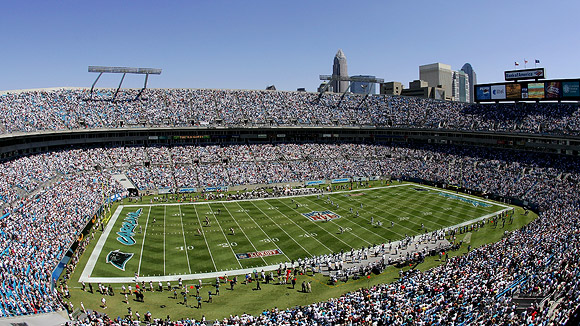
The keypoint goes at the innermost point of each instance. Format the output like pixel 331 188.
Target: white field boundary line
pixel 406 212
pixel 271 198
pixel 464 196
pixel 143 242
pixel 85 276
pixel 95 254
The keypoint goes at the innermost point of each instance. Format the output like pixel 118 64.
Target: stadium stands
pixel 68 110
pixel 48 198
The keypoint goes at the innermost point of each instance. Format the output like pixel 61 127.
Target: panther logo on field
pixel 119 259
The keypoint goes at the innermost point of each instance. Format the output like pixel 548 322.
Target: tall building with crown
pixel 468 69
pixel 339 69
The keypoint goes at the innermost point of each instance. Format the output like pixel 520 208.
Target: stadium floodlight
pixel 123 70
pixel 350 80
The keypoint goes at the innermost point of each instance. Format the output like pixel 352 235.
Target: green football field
pixel 194 240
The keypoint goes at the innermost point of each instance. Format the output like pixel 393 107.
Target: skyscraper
pixel 472 79
pixel 460 86
pixel 438 74
pixel 339 69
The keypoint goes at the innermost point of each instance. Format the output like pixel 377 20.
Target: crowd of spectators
pixel 48 198
pixel 28 111
pixel 41 221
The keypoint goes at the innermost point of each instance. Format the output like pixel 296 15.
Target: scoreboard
pixel 536 90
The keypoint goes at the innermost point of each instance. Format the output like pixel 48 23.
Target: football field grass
pixel 193 240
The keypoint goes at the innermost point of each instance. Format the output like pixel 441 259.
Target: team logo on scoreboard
pixel 321 215
pixel 119 259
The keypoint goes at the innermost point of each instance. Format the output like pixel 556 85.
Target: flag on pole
pixel 516 63
pixel 525 61
pixel 537 61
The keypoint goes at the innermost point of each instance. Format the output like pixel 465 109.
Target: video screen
pixel 553 89
pixel 535 90
pixel 513 91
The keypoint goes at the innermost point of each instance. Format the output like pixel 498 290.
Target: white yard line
pixel 401 226
pixel 164 218
pixel 305 232
pixel 266 234
pixel 352 222
pixel 184 242
pixel 242 230
pixel 225 237
pixel 320 227
pixel 204 238
pixel 143 242
pixel 291 237
pixel 85 276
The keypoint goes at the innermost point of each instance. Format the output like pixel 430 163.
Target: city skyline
pixel 231 45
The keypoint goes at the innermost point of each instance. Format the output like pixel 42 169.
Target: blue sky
pixel 252 44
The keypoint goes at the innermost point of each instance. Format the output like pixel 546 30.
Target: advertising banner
pixel 498 92
pixel 183 190
pixel 571 89
pixel 483 92
pixel 525 74
pixel 219 188
pixel 163 191
pixel 314 182
pixel 341 180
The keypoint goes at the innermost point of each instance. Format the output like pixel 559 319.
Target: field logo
pixel 466 200
pixel 355 195
pixel 128 228
pixel 321 216
pixel 258 254
pixel 119 259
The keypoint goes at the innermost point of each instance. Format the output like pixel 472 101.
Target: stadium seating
pixel 37 191
pixel 68 109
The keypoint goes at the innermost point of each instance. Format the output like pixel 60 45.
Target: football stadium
pixel 199 163
pixel 216 206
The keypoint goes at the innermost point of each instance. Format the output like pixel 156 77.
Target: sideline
pixel 269 198
pixel 86 275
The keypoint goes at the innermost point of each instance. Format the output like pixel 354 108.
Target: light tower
pixel 122 70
